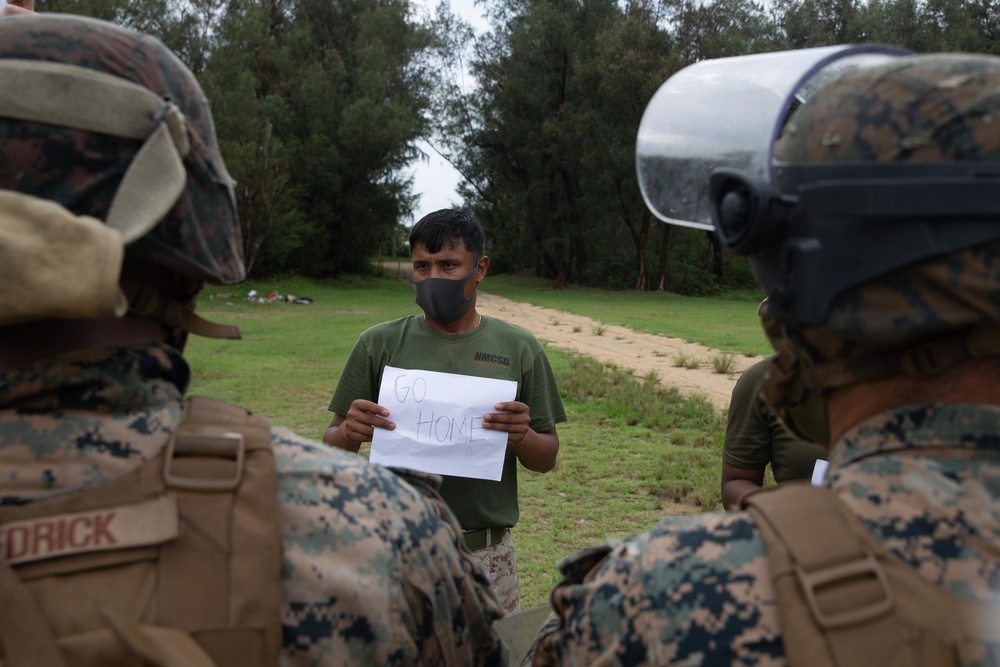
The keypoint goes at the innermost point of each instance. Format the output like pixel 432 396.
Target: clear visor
pixel 727 113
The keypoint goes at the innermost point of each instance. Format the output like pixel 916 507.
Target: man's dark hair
pixel 449 225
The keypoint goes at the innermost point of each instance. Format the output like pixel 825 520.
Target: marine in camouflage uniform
pixel 374 571
pixel 917 459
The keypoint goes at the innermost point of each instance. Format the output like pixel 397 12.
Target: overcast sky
pixel 434 181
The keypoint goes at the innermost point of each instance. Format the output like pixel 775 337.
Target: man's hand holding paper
pixel 447 424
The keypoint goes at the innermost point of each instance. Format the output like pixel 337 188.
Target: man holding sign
pixel 434 365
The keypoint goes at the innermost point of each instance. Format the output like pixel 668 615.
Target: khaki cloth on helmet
pixel 56 264
pixel 197 585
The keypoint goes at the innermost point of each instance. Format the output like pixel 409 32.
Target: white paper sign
pixel 439 423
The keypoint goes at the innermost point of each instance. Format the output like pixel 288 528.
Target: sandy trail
pixel 638 352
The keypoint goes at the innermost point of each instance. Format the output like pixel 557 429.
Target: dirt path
pixel 639 352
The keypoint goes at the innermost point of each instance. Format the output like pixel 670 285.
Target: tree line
pixel 319 105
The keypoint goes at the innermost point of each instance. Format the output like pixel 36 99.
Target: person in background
pixel 139 525
pixel 755 438
pixel 449 261
pixel 895 560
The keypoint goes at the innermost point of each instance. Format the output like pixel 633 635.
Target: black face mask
pixel 443 299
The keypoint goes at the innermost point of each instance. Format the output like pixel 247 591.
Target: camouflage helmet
pixel 110 124
pixel 885 208
pixel 903 160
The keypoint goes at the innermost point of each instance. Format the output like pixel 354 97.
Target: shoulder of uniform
pixel 389 327
pixel 515 329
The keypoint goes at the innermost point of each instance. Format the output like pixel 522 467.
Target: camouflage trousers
pixel 499 563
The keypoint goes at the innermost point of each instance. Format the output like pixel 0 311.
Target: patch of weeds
pixel 577 328
pixel 685 361
pixel 724 363
pixel 599 329
pixel 684 464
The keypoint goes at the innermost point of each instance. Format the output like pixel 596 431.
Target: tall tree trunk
pixel 558 242
pixel 580 252
pixel 662 287
pixel 642 277
pixel 541 258
pixel 720 279
pixel 640 236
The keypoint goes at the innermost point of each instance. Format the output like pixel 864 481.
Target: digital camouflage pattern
pixel 930 108
pixel 373 571
pixel 697 590
pixel 939 108
pixel 924 479
pixel 201 236
pixel 499 563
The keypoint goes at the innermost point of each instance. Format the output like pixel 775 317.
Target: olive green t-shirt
pixel 755 437
pixel 494 349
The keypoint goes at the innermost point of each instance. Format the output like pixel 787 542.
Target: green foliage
pixel 319 105
pixel 724 363
pixel 547 142
pixel 615 398
pixel 690 262
pixel 739 275
pixel 613 271
pixel 682 360
pixel 723 28
pixel 931 26
pixel 253 127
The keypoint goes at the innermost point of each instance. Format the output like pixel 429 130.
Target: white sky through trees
pixel 435 180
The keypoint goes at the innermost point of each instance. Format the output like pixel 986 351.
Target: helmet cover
pixel 927 109
pixel 81 170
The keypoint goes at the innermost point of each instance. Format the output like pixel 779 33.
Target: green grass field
pixel 630 445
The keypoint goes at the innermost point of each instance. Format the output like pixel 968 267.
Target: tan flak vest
pixel 844 600
pixel 176 563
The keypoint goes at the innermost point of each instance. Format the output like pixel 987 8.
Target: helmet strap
pixel 173 314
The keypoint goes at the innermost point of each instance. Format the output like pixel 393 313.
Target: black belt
pixel 484 537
